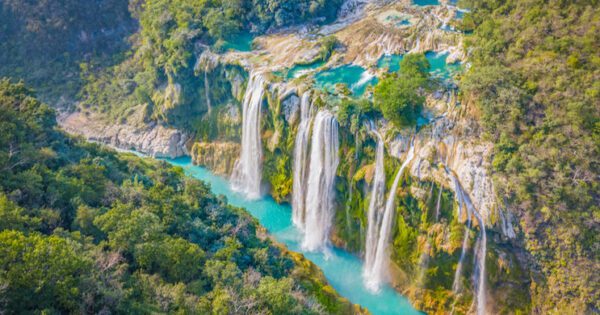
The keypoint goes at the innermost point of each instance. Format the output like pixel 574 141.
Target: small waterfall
pixel 246 175
pixel 463 199
pixel 320 196
pixel 439 202
pixel 456 284
pixel 300 166
pixel 375 208
pixel 481 265
pixel 379 265
pixel 207 90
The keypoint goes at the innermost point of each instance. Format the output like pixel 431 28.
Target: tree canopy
pixel 400 96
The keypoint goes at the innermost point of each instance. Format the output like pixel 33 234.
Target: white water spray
pixel 324 161
pixel 379 270
pixel 246 175
pixel 376 204
pixel 300 165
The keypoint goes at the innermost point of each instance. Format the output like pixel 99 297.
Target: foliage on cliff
pixel 43 42
pixel 85 230
pixel 535 79
pixel 161 71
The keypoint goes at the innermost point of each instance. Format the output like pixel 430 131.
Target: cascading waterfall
pixel 379 272
pixel 375 208
pixel 300 166
pixel 323 165
pixel 463 199
pixel 246 175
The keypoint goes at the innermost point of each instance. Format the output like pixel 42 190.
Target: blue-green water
pixel 438 66
pixel 355 77
pixel 437 62
pixel 343 270
pixel 392 62
pixel 240 42
pixel 299 70
pixel 425 2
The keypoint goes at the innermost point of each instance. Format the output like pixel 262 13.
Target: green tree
pixel 41 272
pixel 400 96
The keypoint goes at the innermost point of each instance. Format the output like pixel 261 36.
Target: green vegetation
pixel 43 42
pixel 534 81
pixel 85 230
pixel 400 95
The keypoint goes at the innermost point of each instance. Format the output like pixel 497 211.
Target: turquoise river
pixel 342 269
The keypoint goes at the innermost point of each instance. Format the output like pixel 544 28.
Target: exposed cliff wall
pixel 219 157
pixel 152 139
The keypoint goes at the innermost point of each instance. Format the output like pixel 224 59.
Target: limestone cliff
pixel 219 157
pixel 152 139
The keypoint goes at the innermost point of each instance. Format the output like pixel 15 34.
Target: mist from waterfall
pixel 246 176
pixel 320 194
pixel 379 268
pixel 300 162
pixel 463 199
pixel 376 204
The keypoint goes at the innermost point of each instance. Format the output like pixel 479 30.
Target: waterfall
pixel 300 166
pixel 321 180
pixel 379 270
pixel 246 175
pixel 481 265
pixel 456 283
pixel 376 203
pixel 439 202
pixel 207 90
pixel 463 199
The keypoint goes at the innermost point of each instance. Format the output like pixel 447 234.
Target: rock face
pixel 153 139
pixel 290 107
pixel 219 157
pixel 452 142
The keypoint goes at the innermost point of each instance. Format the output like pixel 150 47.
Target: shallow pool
pixel 355 77
pixel 437 62
pixel 426 2
pixel 240 42
pixel 342 269
pixel 300 70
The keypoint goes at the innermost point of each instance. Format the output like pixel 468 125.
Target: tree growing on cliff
pixel 399 95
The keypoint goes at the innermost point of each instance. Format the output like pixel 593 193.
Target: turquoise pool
pixel 355 77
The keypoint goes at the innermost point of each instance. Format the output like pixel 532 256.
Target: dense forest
pixel 86 230
pixel 535 81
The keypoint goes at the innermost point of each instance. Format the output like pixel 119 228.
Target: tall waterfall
pixel 375 213
pixel 379 270
pixel 246 175
pixel 320 196
pixel 300 166
pixel 463 199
